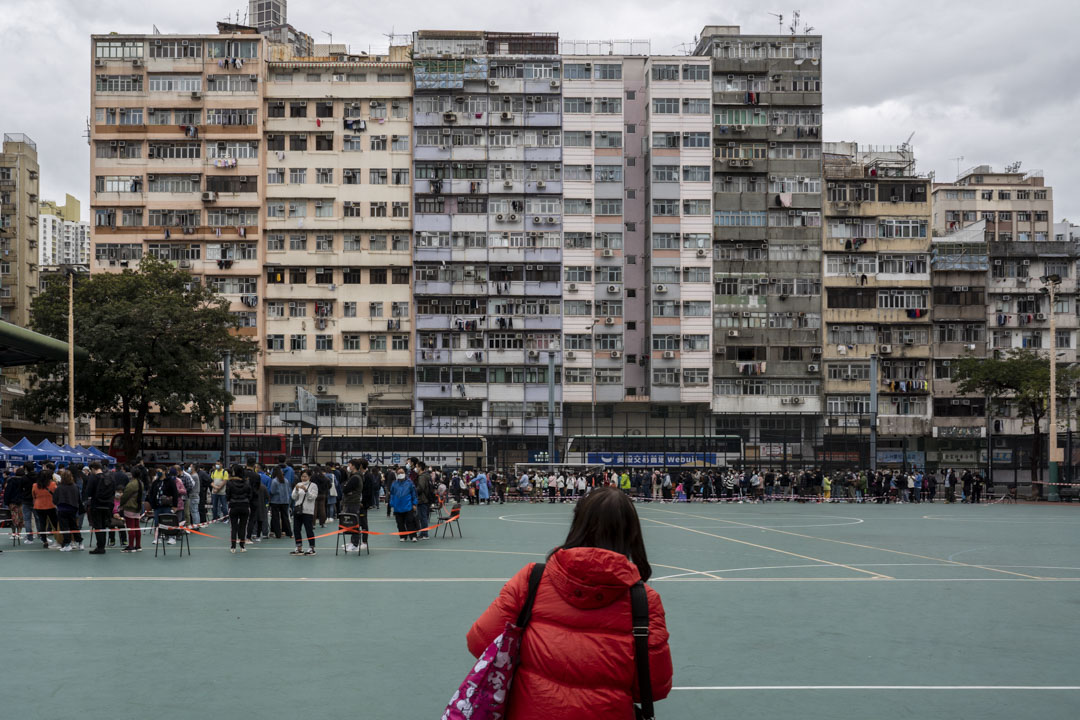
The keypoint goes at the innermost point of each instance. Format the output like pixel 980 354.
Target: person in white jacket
pixel 304 494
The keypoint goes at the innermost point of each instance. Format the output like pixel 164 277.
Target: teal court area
pixel 775 611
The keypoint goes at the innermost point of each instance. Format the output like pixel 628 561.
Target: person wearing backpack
pixel 100 495
pixel 322 482
pixel 578 652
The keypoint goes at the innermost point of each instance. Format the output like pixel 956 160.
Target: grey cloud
pixel 991 81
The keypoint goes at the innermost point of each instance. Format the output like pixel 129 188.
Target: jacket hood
pixel 590 578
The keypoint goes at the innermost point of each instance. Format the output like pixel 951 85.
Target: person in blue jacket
pixel 403 502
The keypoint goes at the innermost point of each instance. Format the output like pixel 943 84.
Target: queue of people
pixel 52 505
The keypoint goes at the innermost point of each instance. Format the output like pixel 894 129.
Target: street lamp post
pixel 592 374
pixel 1051 284
pixel 71 356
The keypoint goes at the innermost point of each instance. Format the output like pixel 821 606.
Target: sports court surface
pixel 775 611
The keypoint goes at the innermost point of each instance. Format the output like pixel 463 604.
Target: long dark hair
pixel 606 519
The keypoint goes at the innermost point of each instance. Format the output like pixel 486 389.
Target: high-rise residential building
pixel 64 237
pixel 960 268
pixel 177 168
pixel 337 309
pixel 19 182
pixel 1015 211
pixel 637 245
pixel 877 308
pixel 488 221
pixel 767 241
pixel 271 18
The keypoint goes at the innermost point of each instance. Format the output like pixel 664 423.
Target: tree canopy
pixel 155 339
pixel 1022 376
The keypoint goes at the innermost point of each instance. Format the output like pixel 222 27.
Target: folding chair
pixel 451 519
pixel 7 521
pixel 347 520
pixel 169 526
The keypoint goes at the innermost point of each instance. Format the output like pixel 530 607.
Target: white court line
pixel 1032 688
pixel 145 578
pixel 990 520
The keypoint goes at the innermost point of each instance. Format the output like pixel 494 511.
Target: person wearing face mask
pixel 218 479
pixel 403 500
pixel 304 495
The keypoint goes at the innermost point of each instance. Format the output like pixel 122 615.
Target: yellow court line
pixel 858 545
pixel 766 547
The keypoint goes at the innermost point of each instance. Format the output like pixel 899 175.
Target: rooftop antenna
pixel 86 134
pixel 795 22
pixel 780 19
pixel 1014 167
pixel 329 35
pixel 906 145
pixel 958 161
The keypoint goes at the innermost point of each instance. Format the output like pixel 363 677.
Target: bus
pixel 655 451
pixel 167 448
pixel 448 452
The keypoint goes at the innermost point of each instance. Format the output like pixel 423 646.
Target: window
pixel 378 142
pixel 696 173
pixel 324 342
pixel 609 139
pixel 697 207
pixel 399 342
pixel 400 176
pixel 577 105
pixel 577 138
pixel 667 208
pixel 665 106
pixel 399 143
pixel 298 342
pixel 275 342
pixel 377 343
pixel 123 49
pixel 696 106
pixel 175 83
pixel 378 209
pixel 607 71
pixel 298 142
pixel 608 105
pixel 613 206
pixel 298 175
pixel 665 72
pixel 697 73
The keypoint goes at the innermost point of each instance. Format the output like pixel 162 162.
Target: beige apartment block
pixel 177 170
pixel 1014 211
pixel 876 277
pixel 337 301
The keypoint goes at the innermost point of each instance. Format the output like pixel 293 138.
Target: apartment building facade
pixel 63 236
pixel 1014 210
pixel 487 166
pixel 337 312
pixel 19 207
pixel 877 309
pixel 176 168
pixel 767 210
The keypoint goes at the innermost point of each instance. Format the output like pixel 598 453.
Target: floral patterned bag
pixel 484 693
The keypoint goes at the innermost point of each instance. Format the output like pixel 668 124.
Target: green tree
pixel 1021 377
pixel 155 341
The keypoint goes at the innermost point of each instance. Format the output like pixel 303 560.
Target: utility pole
pixel 225 421
pixel 71 356
pixel 1051 283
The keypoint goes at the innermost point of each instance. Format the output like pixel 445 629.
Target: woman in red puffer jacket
pixel 577 654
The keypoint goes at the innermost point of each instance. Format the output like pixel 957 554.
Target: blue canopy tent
pixel 96 454
pixel 24 451
pixel 55 453
pixel 78 453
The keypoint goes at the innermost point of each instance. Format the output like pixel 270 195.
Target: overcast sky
pixel 994 82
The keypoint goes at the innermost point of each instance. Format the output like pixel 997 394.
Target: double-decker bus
pixel 447 451
pixel 655 451
pixel 162 448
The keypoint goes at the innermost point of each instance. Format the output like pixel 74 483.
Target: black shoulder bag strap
pixel 534 583
pixel 639 605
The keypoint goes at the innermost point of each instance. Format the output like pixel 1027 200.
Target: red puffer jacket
pixel 577 656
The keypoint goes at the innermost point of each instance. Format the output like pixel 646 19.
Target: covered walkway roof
pixel 19 346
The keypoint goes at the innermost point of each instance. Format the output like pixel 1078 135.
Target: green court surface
pixel 775 611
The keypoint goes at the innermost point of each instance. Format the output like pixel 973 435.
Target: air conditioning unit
pixel 608 252
pixel 540 184
pixel 1040 316
pixel 796 400
pixel 701 252
pixel 209 196
pixel 450 117
pixel 499 217
pixel 551 220
pixel 570 355
pixel 513 217
pixel 613 288
pixel 99 62
pixel 493 83
pixel 785 401
pixel 554 83
pixel 661 289
pixel 885 349
pixel 196 96
pixel 534 353
pixel 733 333
pixel 504 422
pixel 320 389
pixel 572 287
pixel 185 263
pixel 609 321
pixel 813 367
pixel 814 351
pixel 615 354
pixel 508 183
pixel 669 354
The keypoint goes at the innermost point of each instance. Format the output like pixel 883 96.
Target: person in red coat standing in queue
pixel 577 653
